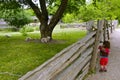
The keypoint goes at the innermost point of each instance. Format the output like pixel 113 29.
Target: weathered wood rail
pixel 67 64
pixel 72 63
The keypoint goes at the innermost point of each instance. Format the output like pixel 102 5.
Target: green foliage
pixel 26 29
pixel 87 13
pixel 12 13
pixel 100 9
pixel 6 4
pixel 8 7
pixel 29 29
pixel 108 8
pixel 74 5
pixel 23 31
pixel 114 9
pixel 68 18
pixel 37 28
pixel 18 19
pixel 30 12
pixel 53 6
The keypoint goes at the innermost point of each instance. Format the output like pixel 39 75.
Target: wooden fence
pixel 72 63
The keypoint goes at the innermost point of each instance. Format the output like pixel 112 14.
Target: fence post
pixel 107 27
pixel 89 26
pixel 104 29
pixel 111 28
pixel 97 41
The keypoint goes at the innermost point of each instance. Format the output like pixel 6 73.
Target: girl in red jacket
pixel 104 52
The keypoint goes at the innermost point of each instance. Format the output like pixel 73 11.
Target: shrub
pixel 26 29
pixel 23 31
pixel 29 29
pixel 18 19
pixel 68 18
pixel 36 28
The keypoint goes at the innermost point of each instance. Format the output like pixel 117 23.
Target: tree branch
pixel 35 9
pixel 58 14
pixel 44 10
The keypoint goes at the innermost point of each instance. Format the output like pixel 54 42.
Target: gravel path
pixel 113 72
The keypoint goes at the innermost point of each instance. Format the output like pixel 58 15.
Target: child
pixel 104 52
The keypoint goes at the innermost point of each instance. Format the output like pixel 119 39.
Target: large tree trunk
pixel 46 33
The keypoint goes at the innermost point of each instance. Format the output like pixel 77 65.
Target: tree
pixel 18 19
pixel 47 26
pixel 13 14
pixel 109 8
pixel 100 9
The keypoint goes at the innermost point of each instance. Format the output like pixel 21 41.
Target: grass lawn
pixel 17 56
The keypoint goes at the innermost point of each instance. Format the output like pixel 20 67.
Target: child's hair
pixel 106 44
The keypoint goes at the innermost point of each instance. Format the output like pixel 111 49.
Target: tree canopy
pixel 95 9
pixel 100 9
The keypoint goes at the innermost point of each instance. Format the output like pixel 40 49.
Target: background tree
pixel 13 14
pixel 18 20
pixel 72 11
pixel 100 9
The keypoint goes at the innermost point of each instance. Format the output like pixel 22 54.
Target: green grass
pixel 17 57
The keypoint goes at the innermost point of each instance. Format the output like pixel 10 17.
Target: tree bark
pixel 46 33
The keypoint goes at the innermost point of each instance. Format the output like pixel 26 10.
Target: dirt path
pixel 113 72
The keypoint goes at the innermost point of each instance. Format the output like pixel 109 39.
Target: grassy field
pixel 17 56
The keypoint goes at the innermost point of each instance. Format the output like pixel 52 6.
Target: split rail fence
pixel 75 61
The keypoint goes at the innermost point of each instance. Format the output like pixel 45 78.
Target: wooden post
pixel 104 30
pixel 89 26
pixel 97 41
pixel 111 26
pixel 108 36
